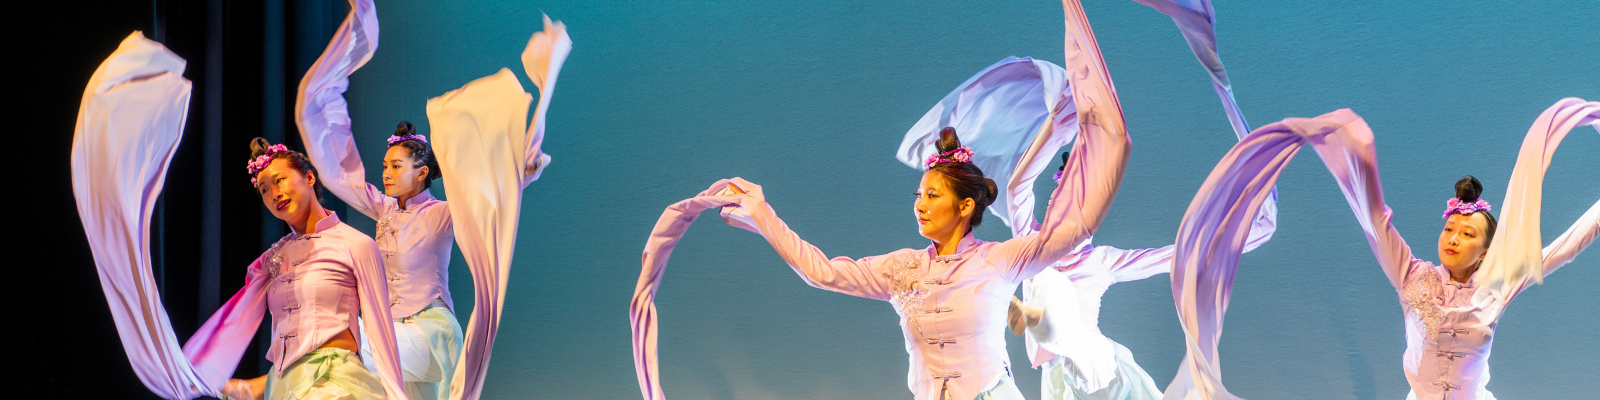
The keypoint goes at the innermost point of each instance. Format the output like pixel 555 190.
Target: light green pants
pixel 325 374
pixel 443 335
pixel 429 343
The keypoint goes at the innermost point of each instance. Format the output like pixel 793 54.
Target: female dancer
pixel 1451 309
pixel 1018 95
pixel 1078 361
pixel 323 283
pixel 414 229
pixel 313 276
pixel 414 236
pixel 951 296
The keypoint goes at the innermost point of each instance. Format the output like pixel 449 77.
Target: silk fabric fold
pixel 488 153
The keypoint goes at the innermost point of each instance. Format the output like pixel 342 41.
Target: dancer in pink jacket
pixel 323 284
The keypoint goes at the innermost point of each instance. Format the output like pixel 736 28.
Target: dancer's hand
pixel 738 185
pixel 738 215
pixel 241 389
pixel 1020 316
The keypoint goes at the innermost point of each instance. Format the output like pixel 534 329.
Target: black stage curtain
pixel 245 59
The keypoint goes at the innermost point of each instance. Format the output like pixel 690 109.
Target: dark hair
pixel 297 160
pixel 1467 190
pixel 1064 155
pixel 964 178
pixel 421 152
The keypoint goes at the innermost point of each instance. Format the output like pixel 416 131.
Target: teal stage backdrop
pixel 810 99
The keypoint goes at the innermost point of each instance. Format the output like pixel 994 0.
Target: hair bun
pixel 258 146
pixel 947 140
pixel 992 190
pixel 1468 189
pixel 405 129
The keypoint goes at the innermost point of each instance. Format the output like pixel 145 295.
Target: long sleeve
pixel 1128 265
pixel 477 133
pixel 867 277
pixel 323 116
pixel 216 348
pixel 377 323
pixel 1363 191
pixel 1197 21
pixel 1093 171
pixel 547 50
pixel 657 250
pixel 480 134
pixel 1573 241
pixel 129 124
pixel 1215 231
pixel 1138 264
pixel 1517 259
pixel 482 137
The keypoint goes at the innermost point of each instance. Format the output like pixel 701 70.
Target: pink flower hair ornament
pixel 1456 206
pixel 261 162
pixel 962 154
pixel 398 139
pixel 1058 176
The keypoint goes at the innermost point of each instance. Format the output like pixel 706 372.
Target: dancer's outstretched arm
pixel 323 116
pixel 1363 190
pixel 1093 172
pixel 1573 241
pixel 867 277
pixel 1128 265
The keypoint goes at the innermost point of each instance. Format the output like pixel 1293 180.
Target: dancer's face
pixel 1461 243
pixel 287 192
pixel 939 213
pixel 401 177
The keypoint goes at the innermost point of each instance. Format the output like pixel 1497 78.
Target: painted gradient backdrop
pixel 810 99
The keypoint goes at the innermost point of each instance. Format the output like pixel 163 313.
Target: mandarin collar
pixel 416 201
pixel 328 222
pixel 1444 276
pixel 967 243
